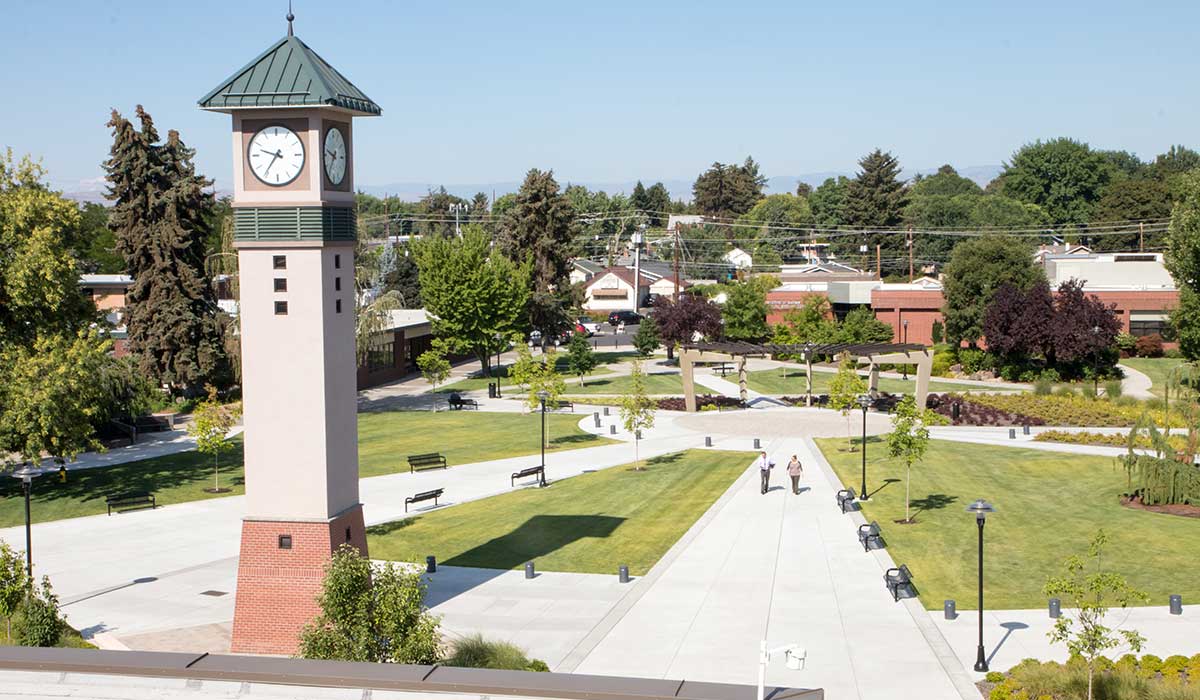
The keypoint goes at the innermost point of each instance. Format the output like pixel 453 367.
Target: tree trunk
pixel 907 483
pixel 1091 673
pixel 216 473
pixel 670 351
pixel 849 435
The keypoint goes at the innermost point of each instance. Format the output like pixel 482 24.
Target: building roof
pixel 288 74
pixel 591 267
pixel 399 319
pixel 105 280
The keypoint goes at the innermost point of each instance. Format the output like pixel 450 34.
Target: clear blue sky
pixel 481 91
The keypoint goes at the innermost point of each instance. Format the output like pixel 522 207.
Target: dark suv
pixel 629 318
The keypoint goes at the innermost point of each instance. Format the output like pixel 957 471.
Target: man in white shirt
pixel 764 469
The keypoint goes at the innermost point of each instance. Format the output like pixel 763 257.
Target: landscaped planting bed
pixel 1105 439
pixel 1033 409
pixel 973 413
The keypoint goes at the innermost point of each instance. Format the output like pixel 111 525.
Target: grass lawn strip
pixel 790 381
pixel 1156 368
pixel 591 523
pixel 1048 507
pixel 385 440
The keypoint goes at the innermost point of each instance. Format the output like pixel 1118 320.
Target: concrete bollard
pixel 612 430
pixel 708 441
pixel 949 609
pixel 1055 608
pixel 637 434
pixel 757 444
pixel 596 416
pixel 1025 428
pixel 1012 433
pixel 529 573
pixel 431 564
pixel 1176 604
pixel 606 410
pixel 623 573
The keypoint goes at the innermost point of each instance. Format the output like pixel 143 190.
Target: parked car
pixel 629 318
pixel 587 326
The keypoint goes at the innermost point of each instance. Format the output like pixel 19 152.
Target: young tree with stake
pixel 844 391
pixel 908 440
pixel 637 410
pixel 210 424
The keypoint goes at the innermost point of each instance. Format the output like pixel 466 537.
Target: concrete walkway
pixel 1135 383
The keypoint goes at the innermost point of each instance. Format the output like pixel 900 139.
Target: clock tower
pixel 294 229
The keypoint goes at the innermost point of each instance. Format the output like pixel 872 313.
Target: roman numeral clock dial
pixel 276 155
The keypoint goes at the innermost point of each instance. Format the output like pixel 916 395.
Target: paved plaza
pixel 781 567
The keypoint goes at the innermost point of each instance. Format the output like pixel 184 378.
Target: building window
pixel 281 308
pixel 1143 323
pixel 381 355
pixel 279 262
pixel 337 261
pixel 337 305
pixel 337 284
pixel 285 541
pixel 281 284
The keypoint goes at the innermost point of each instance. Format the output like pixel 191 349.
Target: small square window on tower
pixel 281 308
pixel 285 541
pixel 279 262
pixel 281 284
pixel 337 305
pixel 337 284
pixel 337 261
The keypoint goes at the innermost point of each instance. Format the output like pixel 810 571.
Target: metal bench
pixel 432 460
pixel 130 501
pixel 564 406
pixel 897 578
pixel 458 403
pixel 845 499
pixel 870 533
pixel 531 471
pixel 423 496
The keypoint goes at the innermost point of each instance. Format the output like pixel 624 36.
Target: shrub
pixel 1150 345
pixel 1043 387
pixel 941 364
pixel 1064 391
pixel 994 677
pixel 973 360
pixel 1051 375
pixel 1126 344
pixel 1173 353
pixel 1127 663
pixel 1088 389
pixel 1149 666
pixel 37 622
pixel 475 651
pixel 1071 409
pixel 1112 389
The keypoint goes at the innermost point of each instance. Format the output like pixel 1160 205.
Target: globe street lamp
pixel 981 508
pixel 27 474
pixel 542 396
pixel 864 401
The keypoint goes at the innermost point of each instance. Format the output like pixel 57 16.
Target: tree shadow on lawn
pixel 537 537
pixel 154 475
pixel 934 501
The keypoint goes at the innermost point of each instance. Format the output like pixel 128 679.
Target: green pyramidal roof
pixel 289 74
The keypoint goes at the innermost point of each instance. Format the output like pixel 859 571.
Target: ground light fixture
pixel 27 474
pixel 543 395
pixel 793 654
pixel 981 508
pixel 864 401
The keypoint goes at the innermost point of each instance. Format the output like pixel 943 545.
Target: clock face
pixel 334 155
pixel 276 155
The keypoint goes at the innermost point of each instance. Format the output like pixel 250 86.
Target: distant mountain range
pixel 93 190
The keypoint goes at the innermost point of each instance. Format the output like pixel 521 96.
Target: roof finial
pixel 290 17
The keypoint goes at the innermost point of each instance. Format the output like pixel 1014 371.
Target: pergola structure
pixel 871 354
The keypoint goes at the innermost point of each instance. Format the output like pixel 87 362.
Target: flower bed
pixel 1128 678
pixel 1033 409
pixel 1105 439
pixel 972 412
pixel 703 402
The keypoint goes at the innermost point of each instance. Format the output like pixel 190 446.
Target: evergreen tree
pixel 639 199
pixel 828 202
pixel 728 190
pixel 647 340
pixel 479 208
pixel 658 200
pixel 159 218
pixel 745 313
pixel 875 199
pixel 581 359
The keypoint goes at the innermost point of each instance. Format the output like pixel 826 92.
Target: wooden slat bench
pixel 897 578
pixel 130 501
pixel 564 406
pixel 423 496
pixel 432 460
pixel 531 471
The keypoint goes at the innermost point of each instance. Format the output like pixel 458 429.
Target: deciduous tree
pixel 977 268
pixel 844 390
pixel 581 359
pixel 908 440
pixel 211 423
pixel 745 313
pixel 637 409
pixel 646 340
pixel 1063 176
pixel 681 321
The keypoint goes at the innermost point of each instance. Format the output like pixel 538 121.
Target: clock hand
pixel 274 157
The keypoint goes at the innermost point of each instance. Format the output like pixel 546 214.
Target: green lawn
pixel 387 437
pixel 790 381
pixel 384 440
pixel 1049 505
pixel 590 523
pixel 1156 368
pixel 174 478
pixel 621 384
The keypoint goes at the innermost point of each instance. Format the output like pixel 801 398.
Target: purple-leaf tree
pixel 681 321
pixel 1083 325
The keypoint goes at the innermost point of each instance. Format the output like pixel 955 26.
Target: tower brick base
pixel 280 571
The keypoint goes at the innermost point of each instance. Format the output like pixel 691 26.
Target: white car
pixel 589 326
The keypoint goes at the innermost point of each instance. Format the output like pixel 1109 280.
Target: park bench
pixel 845 499
pixel 423 496
pixel 564 406
pixel 531 471
pixel 459 403
pixel 432 460
pixel 897 578
pixel 869 533
pixel 724 368
pixel 130 501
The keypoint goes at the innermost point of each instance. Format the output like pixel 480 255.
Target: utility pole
pixel 387 221
pixel 677 263
pixel 1141 237
pixel 878 261
pixel 910 254
pixel 637 267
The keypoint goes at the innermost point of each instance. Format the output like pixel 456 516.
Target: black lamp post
pixel 27 474
pixel 542 396
pixel 904 324
pixel 1096 361
pixel 981 508
pixel 864 401
pixel 499 349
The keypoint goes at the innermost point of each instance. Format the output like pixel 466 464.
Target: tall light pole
pixel 981 508
pixel 456 209
pixel 499 349
pixel 542 396
pixel 638 236
pixel 27 474
pixel 904 324
pixel 864 401
pixel 1096 361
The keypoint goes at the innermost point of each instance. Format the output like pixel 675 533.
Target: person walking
pixel 795 470
pixel 764 469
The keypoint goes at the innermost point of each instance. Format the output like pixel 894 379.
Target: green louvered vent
pixel 294 224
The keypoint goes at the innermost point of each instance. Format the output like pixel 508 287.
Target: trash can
pixel 1055 608
pixel 431 564
pixel 491 390
pixel 954 411
pixel 949 609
